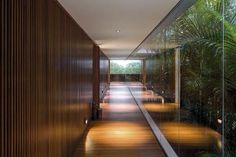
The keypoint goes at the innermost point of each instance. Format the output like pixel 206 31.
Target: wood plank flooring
pixel 123 131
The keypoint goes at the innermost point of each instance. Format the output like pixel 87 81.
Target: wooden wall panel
pixel 104 71
pixel 46 79
pixel 96 79
pixel 100 78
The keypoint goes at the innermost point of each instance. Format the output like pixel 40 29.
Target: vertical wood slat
pixel 1 72
pixel 96 79
pixel 100 78
pixel 46 79
pixel 104 72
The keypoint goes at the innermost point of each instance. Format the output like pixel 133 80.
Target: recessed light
pixel 85 121
pixel 117 31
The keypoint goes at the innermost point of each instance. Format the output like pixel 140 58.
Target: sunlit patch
pixel 118 87
pixel 117 97
pixel 118 93
pixel 158 107
pixel 145 96
pixel 117 134
pixel 120 107
pixel 189 134
pixel 136 88
pixel 149 97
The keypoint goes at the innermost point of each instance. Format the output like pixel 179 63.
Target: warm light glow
pixel 113 96
pixel 118 92
pixel 149 97
pixel 189 134
pixel 157 107
pixel 118 134
pixel 117 87
pixel 219 143
pixel 219 121
pixel 117 84
pixel 88 144
pixel 119 107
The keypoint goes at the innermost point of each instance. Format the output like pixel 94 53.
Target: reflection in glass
pixel 203 121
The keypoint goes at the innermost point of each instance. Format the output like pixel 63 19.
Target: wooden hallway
pixel 122 132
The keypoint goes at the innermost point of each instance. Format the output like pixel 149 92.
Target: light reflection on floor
pixel 158 107
pixel 184 137
pixel 118 97
pixel 119 107
pixel 117 134
pixel 147 95
pixel 121 132
pixel 113 136
pixel 117 92
pixel 189 134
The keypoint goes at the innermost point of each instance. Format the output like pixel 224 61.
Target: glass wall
pixel 229 110
pixel 191 64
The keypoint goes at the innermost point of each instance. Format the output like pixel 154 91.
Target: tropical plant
pixel 207 34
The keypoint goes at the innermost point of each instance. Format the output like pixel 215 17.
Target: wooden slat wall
pixel 100 77
pixel 46 79
pixel 104 67
pixel 96 78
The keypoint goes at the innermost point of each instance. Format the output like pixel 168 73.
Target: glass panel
pixel 201 75
pixel 187 68
pixel 229 78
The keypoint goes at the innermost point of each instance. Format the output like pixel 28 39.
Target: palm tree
pixel 207 34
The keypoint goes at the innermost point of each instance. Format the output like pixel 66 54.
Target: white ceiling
pixel 135 19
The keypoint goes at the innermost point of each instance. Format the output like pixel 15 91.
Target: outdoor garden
pixel 205 35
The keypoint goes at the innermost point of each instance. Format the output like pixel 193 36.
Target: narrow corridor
pixel 123 131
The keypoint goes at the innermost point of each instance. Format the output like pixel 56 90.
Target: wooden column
pixel 96 81
pixel 144 71
pixel 108 75
pixel 177 75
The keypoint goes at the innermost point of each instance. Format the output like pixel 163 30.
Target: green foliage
pixel 208 65
pixel 133 68
pixel 130 68
pixel 116 68
pixel 208 62
pixel 206 154
pixel 161 73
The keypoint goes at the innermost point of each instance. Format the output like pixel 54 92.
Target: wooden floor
pixel 123 131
